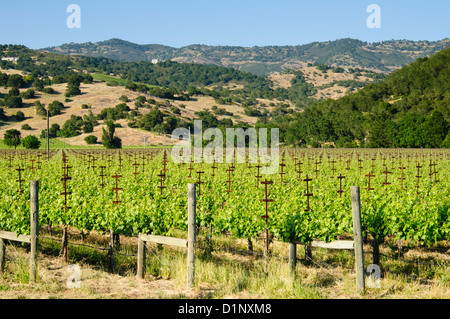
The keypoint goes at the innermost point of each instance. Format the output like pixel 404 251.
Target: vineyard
pixel 404 195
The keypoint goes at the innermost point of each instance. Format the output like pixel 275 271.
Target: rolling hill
pixel 410 108
pixel 99 96
pixel 313 106
pixel 380 56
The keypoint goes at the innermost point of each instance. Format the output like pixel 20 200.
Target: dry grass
pixel 282 80
pixel 221 274
pixel 95 283
pixel 100 96
pixel 317 78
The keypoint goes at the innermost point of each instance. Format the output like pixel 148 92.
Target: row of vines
pixel 404 193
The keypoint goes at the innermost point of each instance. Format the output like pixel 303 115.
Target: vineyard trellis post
pixel 112 235
pixel 308 248
pixel 2 255
pixel 34 228
pixel 32 239
pixel 358 240
pixel 65 238
pixel 191 235
pixel 266 200
pixel 20 180
pixel 292 256
pixel 141 258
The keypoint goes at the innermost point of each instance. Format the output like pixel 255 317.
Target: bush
pixel 55 108
pixel 12 138
pixel 88 127
pixel 141 99
pixel 72 127
pixel 108 139
pixel 91 139
pixel 48 90
pixel 31 142
pixel 54 129
pixel 88 79
pixel 15 80
pixel 175 110
pixel 13 101
pixel 28 94
pixel 19 116
pixel 40 109
pixel 14 92
pixel 26 127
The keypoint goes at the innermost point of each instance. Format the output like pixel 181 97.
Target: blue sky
pixel 177 23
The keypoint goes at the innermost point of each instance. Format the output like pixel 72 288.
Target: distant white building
pixel 11 59
pixel 154 61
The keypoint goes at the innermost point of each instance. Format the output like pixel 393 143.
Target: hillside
pixel 174 80
pixel 328 82
pixel 409 108
pixel 313 106
pixel 350 53
pixel 100 96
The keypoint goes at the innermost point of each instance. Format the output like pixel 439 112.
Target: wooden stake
pixel 191 236
pixel 266 183
pixel 358 241
pixel 34 228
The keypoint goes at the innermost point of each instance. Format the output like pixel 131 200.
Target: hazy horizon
pixel 268 45
pixel 247 23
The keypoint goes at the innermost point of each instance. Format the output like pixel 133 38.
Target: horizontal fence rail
pixel 14 237
pixel 31 239
pixel 171 241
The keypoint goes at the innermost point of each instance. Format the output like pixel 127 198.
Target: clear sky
pixel 177 23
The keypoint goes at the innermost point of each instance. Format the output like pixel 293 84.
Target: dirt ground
pixel 55 282
pixel 54 275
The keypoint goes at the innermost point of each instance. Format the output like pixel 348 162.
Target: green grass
pixel 108 78
pixel 120 81
pixel 59 144
pixel 54 143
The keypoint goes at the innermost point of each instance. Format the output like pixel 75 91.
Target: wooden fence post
pixel 110 256
pixel 292 256
pixel 358 244
pixel 2 254
pixel 191 236
pixel 141 258
pixel 34 228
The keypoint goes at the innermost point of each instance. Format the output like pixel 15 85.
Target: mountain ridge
pixel 384 56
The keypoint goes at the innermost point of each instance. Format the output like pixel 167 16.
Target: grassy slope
pixel 322 81
pixel 100 96
pixel 109 78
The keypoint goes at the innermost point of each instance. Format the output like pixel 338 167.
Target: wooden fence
pixel 189 243
pixel 31 239
pixel 356 244
pixel 178 242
